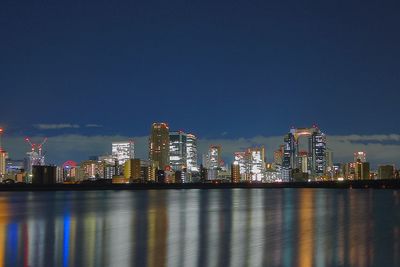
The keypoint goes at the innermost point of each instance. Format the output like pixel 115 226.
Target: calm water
pixel 239 227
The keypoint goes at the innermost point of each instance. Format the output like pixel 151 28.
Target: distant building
pixel 178 150
pixel 361 170
pixel 235 173
pixel 191 153
pixel 256 163
pixel 132 169
pixel 42 174
pixel 91 169
pixel 386 172
pixel 123 151
pixel 214 157
pixel 3 163
pixel 316 152
pixel 159 144
pixel 241 159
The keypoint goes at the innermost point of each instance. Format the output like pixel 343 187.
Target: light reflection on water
pixel 237 227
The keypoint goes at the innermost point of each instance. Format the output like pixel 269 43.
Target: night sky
pixel 222 69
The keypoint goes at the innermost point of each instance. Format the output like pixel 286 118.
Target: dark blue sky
pixel 242 67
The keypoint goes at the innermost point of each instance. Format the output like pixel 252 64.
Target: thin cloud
pixel 93 125
pixel 56 126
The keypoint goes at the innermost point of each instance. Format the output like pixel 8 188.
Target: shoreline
pixel 354 184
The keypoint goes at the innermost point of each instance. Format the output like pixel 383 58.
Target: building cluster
pixel 173 158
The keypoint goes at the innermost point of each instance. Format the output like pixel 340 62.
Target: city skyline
pixel 73 147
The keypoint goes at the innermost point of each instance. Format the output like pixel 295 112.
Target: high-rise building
pixel 241 160
pixel 178 150
pixel 132 169
pixel 214 157
pixel 3 157
pixel 256 163
pixel 235 172
pixel 91 169
pixel 159 145
pixel 3 163
pixel 191 153
pixel 316 152
pixel 361 170
pixel 278 155
pixel 386 172
pixel 360 156
pixel 123 151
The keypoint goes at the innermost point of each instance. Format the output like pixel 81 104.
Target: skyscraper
pixel 256 163
pixel 178 150
pixel 159 144
pixel 123 151
pixel 316 152
pixel 214 157
pixel 191 151
pixel 241 160
pixel 3 157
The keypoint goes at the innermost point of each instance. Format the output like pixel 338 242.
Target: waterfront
pixel 219 227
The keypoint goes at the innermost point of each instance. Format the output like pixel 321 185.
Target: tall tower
pixel 3 157
pixel 191 149
pixel 316 155
pixel 178 150
pixel 159 144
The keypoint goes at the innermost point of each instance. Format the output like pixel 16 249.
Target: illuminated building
pixel 235 173
pixel 70 171
pixel 213 162
pixel 360 156
pixel 191 153
pixel 91 169
pixel 329 159
pixel 256 163
pixel 214 157
pixel 132 169
pixel 44 174
pixel 3 157
pixel 33 158
pixel 177 150
pixel 316 152
pixel 159 144
pixel 386 172
pixel 123 151
pixel 272 176
pixel 3 163
pixel 361 170
pixel 278 155
pixel 240 159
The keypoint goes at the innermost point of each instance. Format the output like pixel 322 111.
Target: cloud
pixel 79 147
pixel 93 125
pixel 56 126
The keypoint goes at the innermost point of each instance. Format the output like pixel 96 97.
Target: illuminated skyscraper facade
pixel 241 160
pixel 316 158
pixel 214 157
pixel 178 150
pixel 3 163
pixel 122 151
pixel 159 145
pixel 256 163
pixel 191 152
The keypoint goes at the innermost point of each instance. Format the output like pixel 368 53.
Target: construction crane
pixel 37 149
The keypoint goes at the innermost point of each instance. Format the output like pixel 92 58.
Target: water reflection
pixel 239 227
